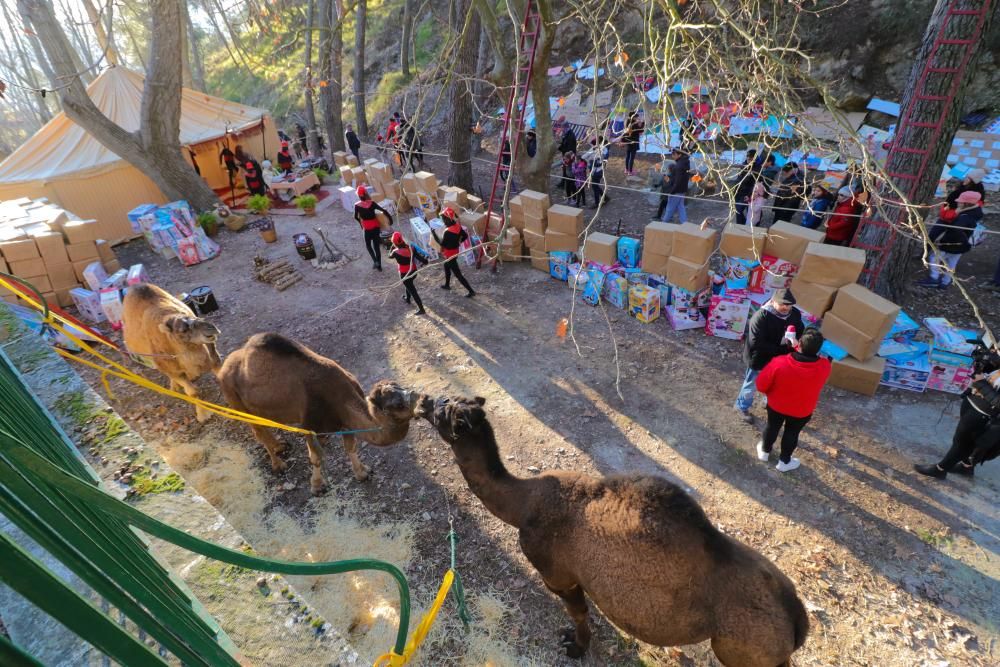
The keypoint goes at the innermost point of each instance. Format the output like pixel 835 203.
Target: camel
pixel 284 381
pixel 642 550
pixel 161 328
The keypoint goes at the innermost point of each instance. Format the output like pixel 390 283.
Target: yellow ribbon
pixel 393 659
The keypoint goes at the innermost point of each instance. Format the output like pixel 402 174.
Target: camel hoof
pixel 570 645
pixel 361 474
pixel 277 465
pixel 202 417
pixel 318 489
pixel 281 448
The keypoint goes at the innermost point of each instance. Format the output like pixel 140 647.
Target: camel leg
pixel 201 413
pixel 575 640
pixel 271 444
pixel 351 445
pixel 316 482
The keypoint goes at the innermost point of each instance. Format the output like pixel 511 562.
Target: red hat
pixel 249 165
pixel 397 238
pixel 362 191
pixel 448 212
pixel 284 144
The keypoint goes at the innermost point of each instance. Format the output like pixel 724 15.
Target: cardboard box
pixel 19 250
pixel 862 377
pixel 79 267
pixel 858 344
pixel 831 265
pixel 28 268
pixel 454 195
pixel 473 221
pixel 689 275
pixel 693 244
pixel 559 242
pixel 600 247
pixel 539 259
pixel 40 283
pixel 742 242
pixel 340 158
pixel 658 238
pixel 535 203
pixel 62 276
pixel 815 298
pixel 427 182
pixel 537 225
pixel 52 248
pixel 3 265
pixel 653 262
pixel 112 267
pixel 565 219
pixel 78 231
pixel 391 189
pixel 352 161
pixel 104 250
pixel 409 183
pixel 865 311
pixel 77 252
pixel 533 240
pixel 63 297
pixel 789 242
pixel 516 206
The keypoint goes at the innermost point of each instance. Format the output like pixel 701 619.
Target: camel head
pixel 454 417
pixel 387 400
pixel 190 330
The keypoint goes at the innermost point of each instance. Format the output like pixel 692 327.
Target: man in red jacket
pixel 792 384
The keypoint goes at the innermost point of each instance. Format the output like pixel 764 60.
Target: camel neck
pixel 504 495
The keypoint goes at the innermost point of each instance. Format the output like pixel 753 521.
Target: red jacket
pixel 842 224
pixel 792 385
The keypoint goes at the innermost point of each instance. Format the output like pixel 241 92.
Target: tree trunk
pixel 335 109
pixel 312 139
pixel 105 40
pixel 323 24
pixel 479 86
pixel 895 275
pixel 537 170
pixel 28 78
pixel 194 51
pixel 404 47
pixel 460 118
pixel 155 149
pixel 503 50
pixel 361 18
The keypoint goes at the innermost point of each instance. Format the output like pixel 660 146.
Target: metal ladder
pixel 514 113
pixel 909 182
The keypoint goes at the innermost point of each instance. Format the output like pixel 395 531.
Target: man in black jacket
pixel 677 187
pixel 765 340
pixel 353 143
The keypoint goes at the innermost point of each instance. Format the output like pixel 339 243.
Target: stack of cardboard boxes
pixel 824 270
pixel 49 248
pixel 691 249
pixel 858 323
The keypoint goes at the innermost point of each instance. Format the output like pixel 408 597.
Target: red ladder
pixel 517 107
pixel 909 182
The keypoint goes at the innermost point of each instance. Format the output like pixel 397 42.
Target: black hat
pixel 783 297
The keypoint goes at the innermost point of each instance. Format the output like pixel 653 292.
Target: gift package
pixel 616 290
pixel 643 303
pixel 728 316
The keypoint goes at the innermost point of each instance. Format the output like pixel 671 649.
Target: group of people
pixel 402 137
pixel 580 168
pixel 954 233
pixel 407 257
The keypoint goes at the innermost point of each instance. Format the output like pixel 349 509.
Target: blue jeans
pixel 747 392
pixel 675 204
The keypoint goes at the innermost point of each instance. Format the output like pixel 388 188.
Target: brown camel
pixel 637 545
pixel 284 381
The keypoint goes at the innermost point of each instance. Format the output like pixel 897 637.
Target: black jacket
pixel 568 142
pixel 764 335
pixel 678 184
pixel 955 235
pixel 352 140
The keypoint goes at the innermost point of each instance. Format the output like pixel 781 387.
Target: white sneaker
pixel 761 454
pixel 787 467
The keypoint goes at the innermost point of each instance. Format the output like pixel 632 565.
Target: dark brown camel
pixel 637 545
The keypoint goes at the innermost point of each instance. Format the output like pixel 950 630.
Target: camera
pixel 985 358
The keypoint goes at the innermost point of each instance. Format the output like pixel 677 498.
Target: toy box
pixel 772 274
pixel 736 272
pixel 628 252
pixel 594 287
pixel 660 283
pixel 727 317
pixel 911 374
pixel 643 303
pixel 616 290
pixel 88 303
pixel 94 275
pixel 901 349
pixel 137 274
pixel 832 351
pixel 682 299
pixel 948 337
pixel 949 379
pixel 684 318
pixel 903 326
pixel 636 276
pixel 118 279
pixel 111 304
pixel 559 264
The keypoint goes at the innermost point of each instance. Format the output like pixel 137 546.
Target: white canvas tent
pixel 72 169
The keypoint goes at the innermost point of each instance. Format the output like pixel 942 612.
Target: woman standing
pixel 787 192
pixel 633 133
pixel 407 258
pixel 450 241
pixel 364 213
pixel 755 209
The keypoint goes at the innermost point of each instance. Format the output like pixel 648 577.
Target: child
pixel 407 259
pixel 843 223
pixel 792 384
pixel 580 181
pixel 569 182
pixel 756 209
pixel 953 239
pixel 819 204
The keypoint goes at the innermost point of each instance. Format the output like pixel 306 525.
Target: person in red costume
pixel 285 161
pixel 364 213
pixel 842 224
pixel 407 258
pixel 450 242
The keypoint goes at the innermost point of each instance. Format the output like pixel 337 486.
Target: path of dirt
pixel 895 569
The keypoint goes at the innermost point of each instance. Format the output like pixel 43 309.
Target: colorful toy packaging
pixel 111 304
pixel 660 283
pixel 559 262
pixel 911 373
pixel 772 274
pixel 137 274
pixel 628 252
pixel 643 303
pixel 118 280
pixel 948 378
pixel 594 287
pixel 616 290
pixel 422 238
pixel 94 275
pixel 684 318
pixel 904 326
pixel 728 317
pixel 88 303
pixel 832 351
pixel 736 272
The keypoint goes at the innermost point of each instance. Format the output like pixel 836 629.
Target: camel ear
pixel 480 400
pixel 175 325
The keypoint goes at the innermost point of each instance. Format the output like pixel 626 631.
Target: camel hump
pixel 277 344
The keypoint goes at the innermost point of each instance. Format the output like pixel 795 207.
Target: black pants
pixel 789 439
pixel 355 151
pixel 580 195
pixel 570 186
pixel 597 185
pixel 785 208
pixel 373 243
pixel 451 267
pixel 662 207
pixel 971 425
pixel 411 291
pixel 630 153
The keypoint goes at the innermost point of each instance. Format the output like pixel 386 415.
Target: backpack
pixel 978 235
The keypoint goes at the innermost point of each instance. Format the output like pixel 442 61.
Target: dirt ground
pixel 895 569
